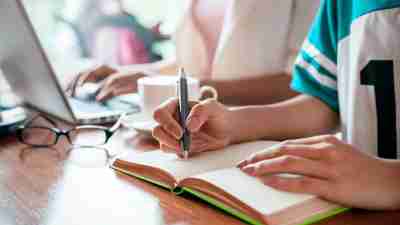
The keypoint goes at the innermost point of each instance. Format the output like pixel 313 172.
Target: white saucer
pixel 140 123
pixel 145 127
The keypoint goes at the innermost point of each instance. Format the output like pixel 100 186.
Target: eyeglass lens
pixel 88 136
pixel 39 136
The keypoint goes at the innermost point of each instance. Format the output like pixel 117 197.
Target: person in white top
pixel 231 45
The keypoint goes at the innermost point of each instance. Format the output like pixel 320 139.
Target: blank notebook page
pixel 202 163
pixel 252 191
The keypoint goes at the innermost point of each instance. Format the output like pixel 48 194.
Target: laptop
pixel 30 74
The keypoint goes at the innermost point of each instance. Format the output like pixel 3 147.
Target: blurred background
pixel 117 32
pixel 79 34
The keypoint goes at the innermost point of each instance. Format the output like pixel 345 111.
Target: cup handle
pixel 209 89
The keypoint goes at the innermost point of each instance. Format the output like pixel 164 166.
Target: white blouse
pixel 258 37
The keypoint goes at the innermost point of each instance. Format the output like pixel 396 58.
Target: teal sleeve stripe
pixel 316 65
pixel 334 18
pixel 306 84
pixel 371 6
pixel 350 10
pixel 323 33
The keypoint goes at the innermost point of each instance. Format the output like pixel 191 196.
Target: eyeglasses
pixel 80 136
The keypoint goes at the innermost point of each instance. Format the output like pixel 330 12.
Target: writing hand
pixel 208 123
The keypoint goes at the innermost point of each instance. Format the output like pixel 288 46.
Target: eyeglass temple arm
pixel 117 124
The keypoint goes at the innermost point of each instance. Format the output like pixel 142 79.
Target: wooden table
pixel 61 187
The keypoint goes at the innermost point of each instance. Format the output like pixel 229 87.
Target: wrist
pixel 234 128
pixel 241 124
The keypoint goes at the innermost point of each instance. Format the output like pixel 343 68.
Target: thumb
pixel 200 113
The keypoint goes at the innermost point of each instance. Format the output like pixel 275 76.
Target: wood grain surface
pixel 60 186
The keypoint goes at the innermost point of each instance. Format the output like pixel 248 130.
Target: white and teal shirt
pixel 351 61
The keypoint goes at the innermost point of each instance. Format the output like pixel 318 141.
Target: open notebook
pixel 213 177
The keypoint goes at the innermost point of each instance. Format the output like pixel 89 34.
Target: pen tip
pixel 185 155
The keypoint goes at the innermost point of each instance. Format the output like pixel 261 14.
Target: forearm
pixel 391 174
pixel 263 89
pixel 298 117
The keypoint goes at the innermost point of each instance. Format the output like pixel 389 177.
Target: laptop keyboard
pixel 116 105
pixel 79 106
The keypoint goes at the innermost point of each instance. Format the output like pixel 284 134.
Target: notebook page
pixel 252 191
pixel 202 163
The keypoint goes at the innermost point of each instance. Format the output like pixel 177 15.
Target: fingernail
pixel 242 163
pixel 100 97
pixel 177 133
pixel 249 170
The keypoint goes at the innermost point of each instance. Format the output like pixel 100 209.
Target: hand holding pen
pixel 192 127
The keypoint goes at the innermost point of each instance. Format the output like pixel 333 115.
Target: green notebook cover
pixel 224 207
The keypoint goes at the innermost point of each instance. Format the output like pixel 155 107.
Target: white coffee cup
pixel 154 90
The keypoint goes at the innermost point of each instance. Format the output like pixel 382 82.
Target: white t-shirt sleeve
pixel 302 17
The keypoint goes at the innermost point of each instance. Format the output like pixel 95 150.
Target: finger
pixel 288 164
pixel 314 140
pixel 195 140
pixel 164 138
pixel 179 153
pixel 115 85
pixel 304 185
pixel 164 115
pixel 89 75
pixel 167 149
pixel 200 142
pixel 83 78
pixel 200 113
pixel 299 150
pixel 259 156
pixel 106 95
pixel 207 142
pixel 106 92
pixel 195 149
pixel 121 91
pixel 96 75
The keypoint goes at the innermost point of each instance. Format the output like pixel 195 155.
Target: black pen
pixel 183 99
